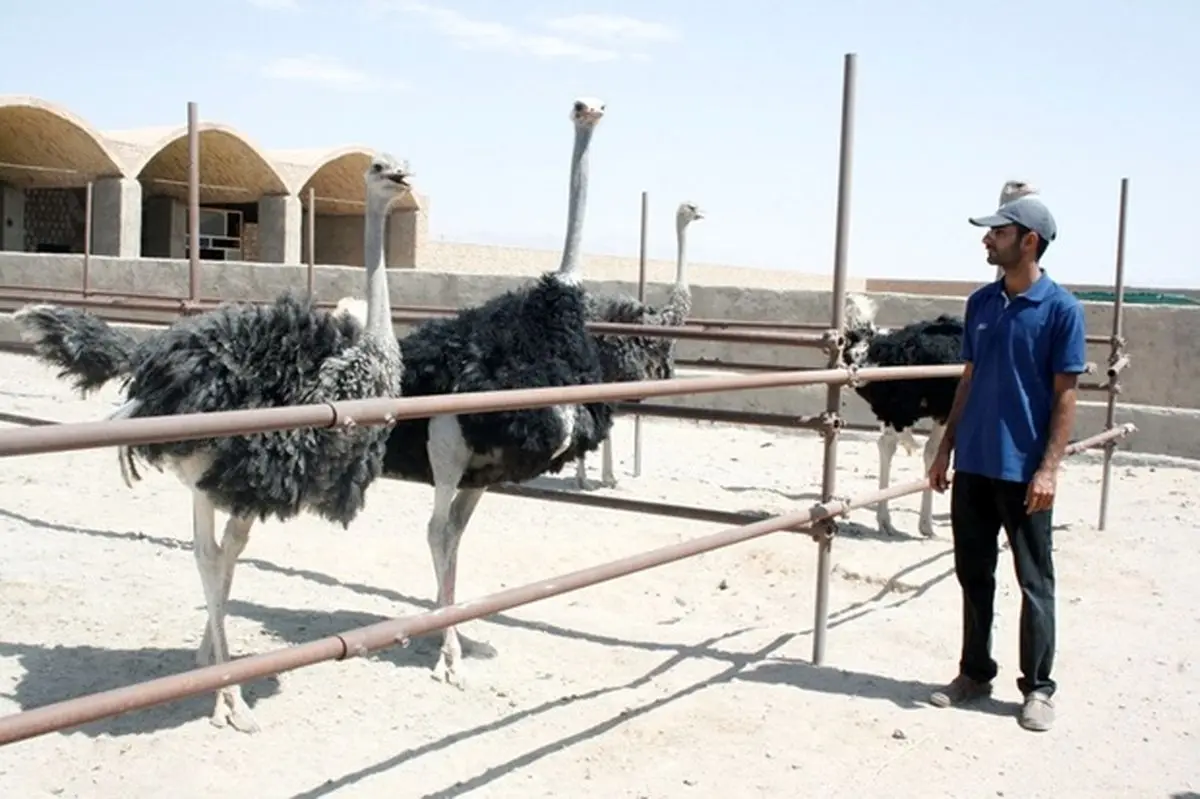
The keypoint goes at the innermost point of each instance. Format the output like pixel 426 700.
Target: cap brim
pixel 995 220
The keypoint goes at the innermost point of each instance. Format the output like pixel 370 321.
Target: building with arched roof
pixel 254 202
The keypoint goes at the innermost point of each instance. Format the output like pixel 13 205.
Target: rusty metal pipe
pixel 1116 343
pixel 692 332
pixel 689 331
pixel 691 512
pixel 310 271
pixel 721 415
pixel 643 242
pixel 363 640
pixel 190 426
pixel 420 313
pixel 87 239
pixel 193 143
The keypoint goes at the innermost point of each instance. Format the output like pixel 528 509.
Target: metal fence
pixel 820 520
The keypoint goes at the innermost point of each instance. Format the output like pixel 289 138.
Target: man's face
pixel 1003 246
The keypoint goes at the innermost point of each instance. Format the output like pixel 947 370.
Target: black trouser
pixel 979 507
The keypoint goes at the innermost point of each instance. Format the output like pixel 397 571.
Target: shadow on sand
pixel 54 674
pixel 904 694
pixel 57 673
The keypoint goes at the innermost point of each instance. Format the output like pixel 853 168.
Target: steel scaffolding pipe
pixel 1104 439
pixel 833 394
pixel 363 640
pixel 190 426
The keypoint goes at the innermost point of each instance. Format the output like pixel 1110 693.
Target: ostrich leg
pixel 231 707
pixel 445 534
pixel 925 525
pixel 581 471
pixel 889 439
pixel 607 476
pixel 449 457
pixel 233 543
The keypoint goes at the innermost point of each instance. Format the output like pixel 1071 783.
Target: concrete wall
pixel 1160 389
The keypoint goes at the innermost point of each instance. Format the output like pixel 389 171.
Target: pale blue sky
pixel 734 109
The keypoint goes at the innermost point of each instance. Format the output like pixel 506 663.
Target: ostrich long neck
pixel 681 255
pixel 379 304
pixel 679 303
pixel 569 268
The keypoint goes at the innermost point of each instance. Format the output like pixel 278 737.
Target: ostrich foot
pixel 447 668
pixel 231 710
pixel 447 671
pixel 883 520
pixel 925 528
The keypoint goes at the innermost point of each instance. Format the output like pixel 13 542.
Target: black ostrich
pixel 531 337
pixel 631 358
pixel 900 404
pixel 248 356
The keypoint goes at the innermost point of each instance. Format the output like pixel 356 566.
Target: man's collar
pixel 1039 291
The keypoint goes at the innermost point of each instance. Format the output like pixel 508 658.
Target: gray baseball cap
pixel 1028 211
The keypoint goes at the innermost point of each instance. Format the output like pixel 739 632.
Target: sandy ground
pixel 689 680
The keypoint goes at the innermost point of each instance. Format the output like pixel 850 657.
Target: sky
pixel 733 106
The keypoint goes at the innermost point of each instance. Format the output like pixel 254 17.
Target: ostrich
pixel 1011 190
pixel 530 337
pixel 625 358
pixel 900 404
pixel 249 356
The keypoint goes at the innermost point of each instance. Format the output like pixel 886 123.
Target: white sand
pixel 686 681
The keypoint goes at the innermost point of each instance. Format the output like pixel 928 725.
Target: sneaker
pixel 1037 714
pixel 960 690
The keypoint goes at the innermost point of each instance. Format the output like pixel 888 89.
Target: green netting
pixel 1138 297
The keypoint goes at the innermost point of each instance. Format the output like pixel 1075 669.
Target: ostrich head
pixel 860 328
pixel 387 179
pixel 1013 189
pixel 587 112
pixel 686 214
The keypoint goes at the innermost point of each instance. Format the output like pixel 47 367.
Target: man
pixel 1013 412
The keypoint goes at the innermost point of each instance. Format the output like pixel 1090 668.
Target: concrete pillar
pixel 117 217
pixel 279 229
pixel 407 230
pixel 12 218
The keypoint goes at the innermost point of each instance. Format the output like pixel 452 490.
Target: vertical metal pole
pixel 637 418
pixel 1115 352
pixel 193 134
pixel 833 394
pixel 311 234
pixel 87 238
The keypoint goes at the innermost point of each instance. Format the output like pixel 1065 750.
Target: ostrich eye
pixel 579 107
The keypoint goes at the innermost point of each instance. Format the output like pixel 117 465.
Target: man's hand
pixel 1040 494
pixel 938 470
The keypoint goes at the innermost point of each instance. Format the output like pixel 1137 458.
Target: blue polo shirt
pixel 1015 347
